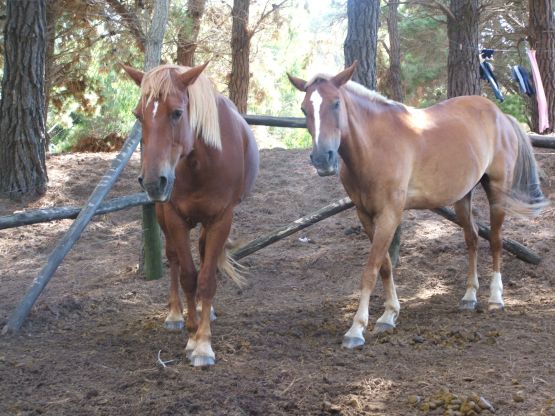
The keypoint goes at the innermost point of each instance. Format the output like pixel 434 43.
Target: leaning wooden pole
pixel 72 235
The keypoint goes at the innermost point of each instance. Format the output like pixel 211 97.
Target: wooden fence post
pixel 152 240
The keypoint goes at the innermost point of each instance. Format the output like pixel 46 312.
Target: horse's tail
pixel 230 267
pixel 526 197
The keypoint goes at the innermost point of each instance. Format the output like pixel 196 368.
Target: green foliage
pixel 514 105
pixel 113 102
pixel 424 57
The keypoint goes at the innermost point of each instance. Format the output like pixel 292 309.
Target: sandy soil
pixel 90 345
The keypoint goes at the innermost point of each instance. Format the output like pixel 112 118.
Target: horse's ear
pixel 134 74
pixel 190 76
pixel 298 83
pixel 344 76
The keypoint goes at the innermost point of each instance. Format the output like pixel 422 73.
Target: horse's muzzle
pixel 326 163
pixel 159 190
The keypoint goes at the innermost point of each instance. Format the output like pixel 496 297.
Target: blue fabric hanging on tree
pixel 486 73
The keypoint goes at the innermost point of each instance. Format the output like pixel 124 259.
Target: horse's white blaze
pixel 496 289
pixel 155 109
pixel 316 100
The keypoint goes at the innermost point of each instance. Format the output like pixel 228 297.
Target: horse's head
pixel 325 114
pixel 163 112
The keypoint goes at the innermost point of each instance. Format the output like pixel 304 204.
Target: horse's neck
pixel 355 139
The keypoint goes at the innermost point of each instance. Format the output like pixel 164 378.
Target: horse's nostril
pixel 311 158
pixel 163 182
pixel 330 156
pixel 140 179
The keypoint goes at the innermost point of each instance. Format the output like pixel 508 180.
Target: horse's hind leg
pixel 463 208
pixel 391 304
pixel 201 244
pixel 497 216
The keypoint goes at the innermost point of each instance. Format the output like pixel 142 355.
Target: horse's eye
pixel 137 115
pixel 335 105
pixel 176 114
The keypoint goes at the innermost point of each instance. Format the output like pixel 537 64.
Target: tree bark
pixel 22 128
pixel 188 33
pixel 541 37
pixel 362 39
pixel 463 64
pixel 394 81
pixel 52 13
pixel 240 52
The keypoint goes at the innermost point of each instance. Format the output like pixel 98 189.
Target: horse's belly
pixel 424 201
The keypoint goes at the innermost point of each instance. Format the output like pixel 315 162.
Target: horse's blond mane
pixel 357 89
pixel 203 110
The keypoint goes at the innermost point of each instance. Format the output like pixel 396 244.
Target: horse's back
pixel 462 139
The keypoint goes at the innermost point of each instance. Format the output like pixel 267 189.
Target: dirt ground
pixel 90 344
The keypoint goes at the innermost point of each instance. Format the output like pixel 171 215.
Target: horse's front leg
pixel 215 239
pixel 383 229
pixel 168 221
pixel 182 270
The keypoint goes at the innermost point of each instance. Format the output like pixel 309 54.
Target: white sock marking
pixel 496 289
pixel 316 100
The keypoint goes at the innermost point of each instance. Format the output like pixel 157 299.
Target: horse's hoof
pixel 174 325
pixel 352 342
pixel 202 360
pixel 382 327
pixel 468 305
pixel 493 307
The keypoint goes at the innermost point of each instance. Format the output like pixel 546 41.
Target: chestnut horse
pixel 200 160
pixel 397 158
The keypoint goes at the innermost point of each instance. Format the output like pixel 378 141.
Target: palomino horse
pixel 200 160
pixel 397 158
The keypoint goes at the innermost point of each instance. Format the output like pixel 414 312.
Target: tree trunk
pixel 188 33
pixel 240 51
pixel 394 81
pixel 52 13
pixel 22 129
pixel 541 36
pixel 362 39
pixel 463 64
